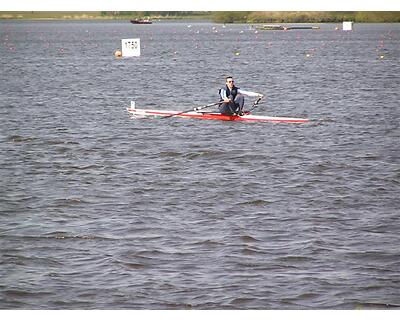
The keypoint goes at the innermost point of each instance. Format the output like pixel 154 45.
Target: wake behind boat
pixel 204 115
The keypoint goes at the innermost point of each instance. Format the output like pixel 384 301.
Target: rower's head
pixel 229 82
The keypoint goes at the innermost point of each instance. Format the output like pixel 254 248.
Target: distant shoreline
pixel 218 17
pixel 95 15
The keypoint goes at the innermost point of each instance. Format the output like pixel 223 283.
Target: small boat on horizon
pixel 141 21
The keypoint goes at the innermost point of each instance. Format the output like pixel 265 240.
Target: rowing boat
pixel 145 113
pixel 141 21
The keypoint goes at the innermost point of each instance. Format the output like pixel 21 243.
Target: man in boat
pixel 232 98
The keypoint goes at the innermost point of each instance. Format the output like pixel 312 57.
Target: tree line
pixel 219 16
pixel 305 16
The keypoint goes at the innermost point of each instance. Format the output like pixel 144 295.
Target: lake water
pixel 100 211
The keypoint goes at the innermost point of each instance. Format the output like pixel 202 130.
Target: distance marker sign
pixel 130 47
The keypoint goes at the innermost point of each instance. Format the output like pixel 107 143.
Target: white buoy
pixel 347 25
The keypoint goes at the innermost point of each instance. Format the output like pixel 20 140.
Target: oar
pixel 193 109
pixel 255 104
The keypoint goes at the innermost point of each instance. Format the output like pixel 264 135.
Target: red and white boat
pixel 197 114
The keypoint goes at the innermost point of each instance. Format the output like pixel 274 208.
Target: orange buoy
pixel 118 53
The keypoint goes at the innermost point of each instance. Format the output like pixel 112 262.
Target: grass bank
pixel 306 16
pixel 216 16
pixel 103 15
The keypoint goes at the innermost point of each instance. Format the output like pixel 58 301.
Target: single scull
pixel 144 113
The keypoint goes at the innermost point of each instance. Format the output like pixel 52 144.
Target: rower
pixel 232 98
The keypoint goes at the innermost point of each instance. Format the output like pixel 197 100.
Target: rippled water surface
pixel 102 211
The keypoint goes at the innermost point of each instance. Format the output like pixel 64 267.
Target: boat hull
pixel 144 113
pixel 141 21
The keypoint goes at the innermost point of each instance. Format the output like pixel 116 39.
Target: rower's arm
pixel 250 93
pixel 222 93
pixel 224 98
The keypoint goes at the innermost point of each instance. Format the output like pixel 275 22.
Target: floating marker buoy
pixel 381 56
pixel 237 53
pixel 118 53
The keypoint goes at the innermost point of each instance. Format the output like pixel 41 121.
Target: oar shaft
pixel 193 109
